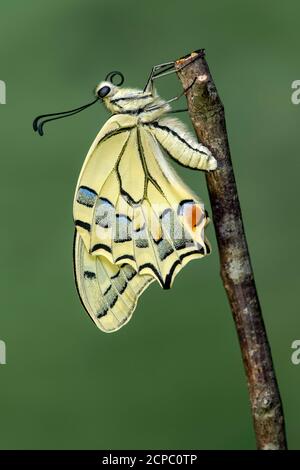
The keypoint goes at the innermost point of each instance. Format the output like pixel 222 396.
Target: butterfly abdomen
pixel 179 144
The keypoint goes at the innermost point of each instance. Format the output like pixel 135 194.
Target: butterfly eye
pixel 103 91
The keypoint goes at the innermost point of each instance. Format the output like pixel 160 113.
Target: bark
pixel 207 114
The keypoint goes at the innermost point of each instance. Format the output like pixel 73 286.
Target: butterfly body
pixel 145 105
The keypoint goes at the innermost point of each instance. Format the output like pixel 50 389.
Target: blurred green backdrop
pixel 173 377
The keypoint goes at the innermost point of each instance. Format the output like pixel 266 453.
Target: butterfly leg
pixel 158 71
pixel 174 111
pixel 153 108
pixel 182 93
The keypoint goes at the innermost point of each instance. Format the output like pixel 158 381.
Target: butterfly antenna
pixel 115 73
pixel 38 126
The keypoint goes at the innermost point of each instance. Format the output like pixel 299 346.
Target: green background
pixel 173 377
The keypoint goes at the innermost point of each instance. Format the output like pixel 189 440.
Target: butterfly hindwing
pixel 109 292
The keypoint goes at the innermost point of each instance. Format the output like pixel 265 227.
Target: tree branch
pixel 207 115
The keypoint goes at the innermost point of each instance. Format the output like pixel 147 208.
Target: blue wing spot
pixel 86 196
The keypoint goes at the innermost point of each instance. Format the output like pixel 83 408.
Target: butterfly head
pixel 109 87
pixel 106 90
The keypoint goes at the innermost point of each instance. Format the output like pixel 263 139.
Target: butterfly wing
pixel 178 218
pixel 108 292
pixel 132 208
pixel 98 166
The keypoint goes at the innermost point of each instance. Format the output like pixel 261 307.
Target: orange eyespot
pixel 193 214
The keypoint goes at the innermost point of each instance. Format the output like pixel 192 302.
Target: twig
pixel 207 115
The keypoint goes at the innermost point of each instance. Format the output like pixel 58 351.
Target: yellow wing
pixel 108 292
pixel 131 207
pixel 98 165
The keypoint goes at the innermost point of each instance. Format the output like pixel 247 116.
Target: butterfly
pixel 135 219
